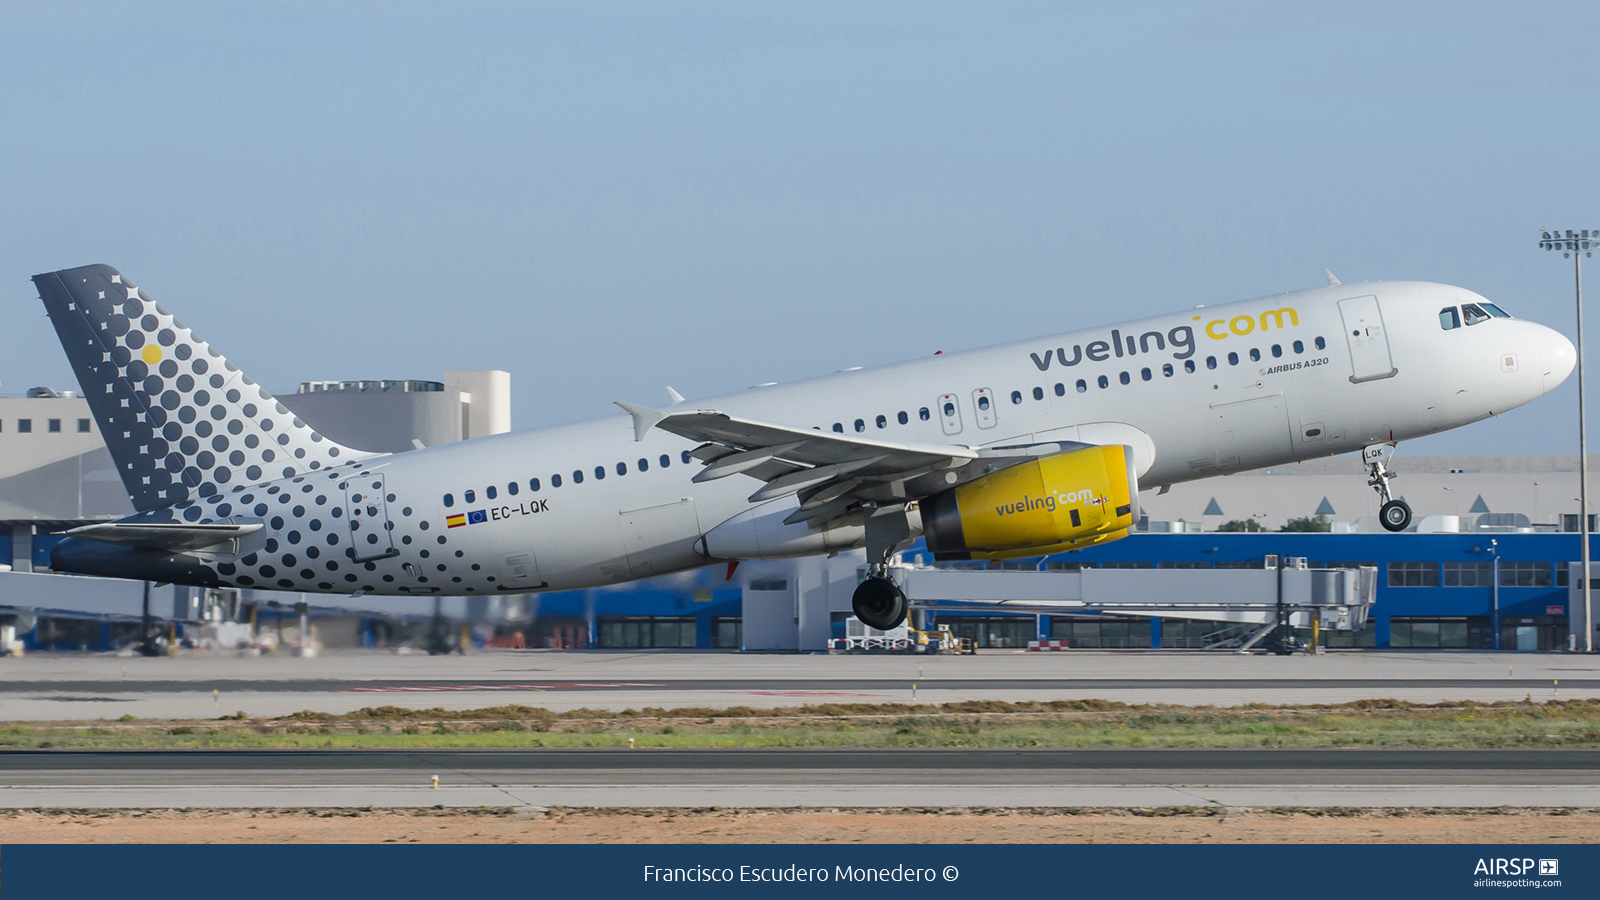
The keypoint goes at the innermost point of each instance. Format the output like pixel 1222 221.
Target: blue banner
pixel 359 872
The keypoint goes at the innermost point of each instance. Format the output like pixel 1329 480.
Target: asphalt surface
pixel 317 686
pixel 255 763
pixel 811 778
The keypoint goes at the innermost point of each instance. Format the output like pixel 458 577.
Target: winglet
pixel 1331 280
pixel 644 418
pixel 676 397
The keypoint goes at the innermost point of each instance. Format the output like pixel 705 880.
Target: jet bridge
pixel 1265 603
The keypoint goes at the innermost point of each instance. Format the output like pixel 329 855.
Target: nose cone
pixel 1557 357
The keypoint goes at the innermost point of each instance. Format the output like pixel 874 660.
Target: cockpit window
pixel 1449 318
pixel 1474 313
pixel 1495 311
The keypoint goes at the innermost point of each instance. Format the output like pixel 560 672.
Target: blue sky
pixel 607 198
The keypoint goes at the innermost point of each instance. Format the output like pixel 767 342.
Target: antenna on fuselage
pixel 1331 279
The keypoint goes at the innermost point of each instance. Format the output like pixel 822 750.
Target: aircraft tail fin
pixel 178 418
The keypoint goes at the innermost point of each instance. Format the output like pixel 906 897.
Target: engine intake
pixel 1060 502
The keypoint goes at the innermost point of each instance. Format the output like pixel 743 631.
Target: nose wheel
pixel 1394 514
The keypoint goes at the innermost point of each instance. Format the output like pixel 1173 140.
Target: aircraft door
pixel 367 505
pixel 949 413
pixel 983 403
pixel 1369 345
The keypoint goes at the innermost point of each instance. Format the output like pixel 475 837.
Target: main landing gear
pixel 1394 514
pixel 878 602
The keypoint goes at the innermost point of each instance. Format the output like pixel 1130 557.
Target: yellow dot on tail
pixel 151 354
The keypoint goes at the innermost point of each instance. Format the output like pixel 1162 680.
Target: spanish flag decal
pixel 455 520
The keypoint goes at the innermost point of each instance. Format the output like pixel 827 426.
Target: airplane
pixel 1019 450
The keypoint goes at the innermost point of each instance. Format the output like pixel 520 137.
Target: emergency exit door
pixel 1369 344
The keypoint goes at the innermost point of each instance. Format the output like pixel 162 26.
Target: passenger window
pixel 470 497
pixel 622 468
pixel 1277 350
pixel 923 414
pixel 1449 318
pixel 1299 347
pixel 555 481
pixel 860 425
pixel 490 492
pixel 1082 386
pixel 685 455
pixel 903 418
pixel 1145 374
pixel 1474 314
pixel 1016 398
pixel 1061 389
pixel 449 500
pixel 1167 370
pixel 949 409
pixel 839 427
pixel 882 422
pixel 512 488
pixel 1211 362
pixel 1124 378
pixel 1255 355
pixel 1104 382
pixel 1495 311
pixel 665 461
pixel 1038 393
pixel 644 464
pixel 1188 366
pixel 533 485
pixel 1233 359
pixel 1321 344
pixel 983 401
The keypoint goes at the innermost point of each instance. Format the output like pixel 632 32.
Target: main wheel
pixel 1395 515
pixel 879 603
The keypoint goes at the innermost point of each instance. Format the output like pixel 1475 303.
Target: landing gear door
pixel 367 506
pixel 1369 345
pixel 950 413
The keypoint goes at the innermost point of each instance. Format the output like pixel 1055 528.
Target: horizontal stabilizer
pixel 165 536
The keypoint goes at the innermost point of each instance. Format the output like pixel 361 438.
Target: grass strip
pixel 1062 724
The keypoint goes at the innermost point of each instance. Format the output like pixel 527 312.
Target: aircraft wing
pixel 165 535
pixel 831 472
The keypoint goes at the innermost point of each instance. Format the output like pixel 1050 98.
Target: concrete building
pixel 1541 488
pixel 387 416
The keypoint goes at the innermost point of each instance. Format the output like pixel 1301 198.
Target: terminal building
pixel 1488 565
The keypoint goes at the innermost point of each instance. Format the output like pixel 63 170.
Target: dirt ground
pixel 795 826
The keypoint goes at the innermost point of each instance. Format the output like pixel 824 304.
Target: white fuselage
pixel 1316 389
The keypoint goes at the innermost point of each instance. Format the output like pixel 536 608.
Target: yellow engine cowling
pixel 1063 502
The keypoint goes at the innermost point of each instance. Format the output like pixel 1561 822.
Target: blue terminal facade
pixel 1477 590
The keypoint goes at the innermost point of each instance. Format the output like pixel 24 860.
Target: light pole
pixel 1457 501
pixel 1577 245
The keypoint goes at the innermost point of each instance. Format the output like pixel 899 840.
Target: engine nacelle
pixel 1063 502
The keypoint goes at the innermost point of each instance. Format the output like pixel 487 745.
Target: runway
pixel 89 687
pixel 791 778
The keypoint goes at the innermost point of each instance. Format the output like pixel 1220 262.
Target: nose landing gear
pixel 1394 514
